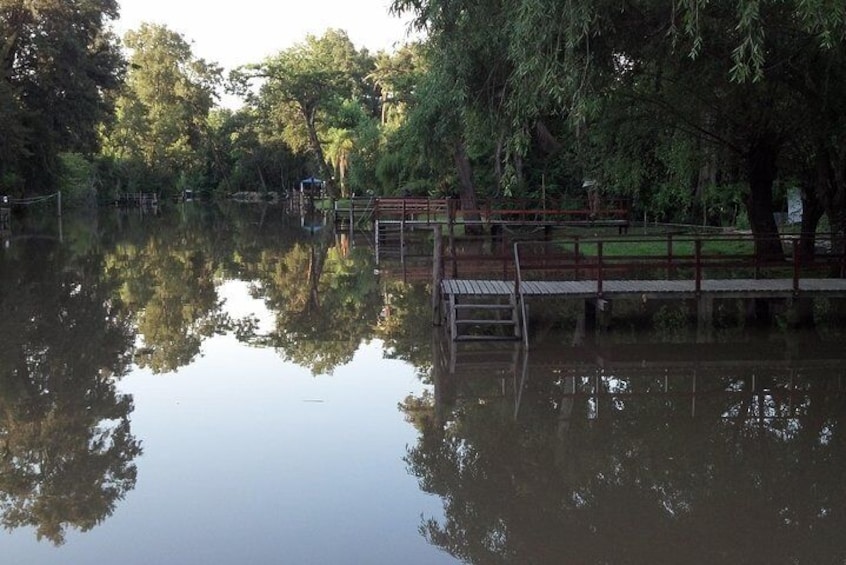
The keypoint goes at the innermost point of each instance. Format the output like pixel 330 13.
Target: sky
pixel 247 31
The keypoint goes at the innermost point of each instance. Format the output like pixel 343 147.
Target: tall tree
pixel 394 76
pixel 468 72
pixel 306 84
pixel 719 72
pixel 162 112
pixel 739 81
pixel 58 65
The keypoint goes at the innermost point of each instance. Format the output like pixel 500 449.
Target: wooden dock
pixel 141 200
pixel 650 289
pixel 588 278
pixel 482 304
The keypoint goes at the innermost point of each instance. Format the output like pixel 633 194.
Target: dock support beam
pixel 704 319
pixel 589 315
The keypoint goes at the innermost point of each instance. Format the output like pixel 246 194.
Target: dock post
pixel 438 376
pixel 376 233
pixel 704 319
pixel 402 241
pixel 589 314
pixel 453 325
pixel 606 307
pixel 452 254
pixel 437 276
pixel 599 269
pixel 352 222
pixel 669 256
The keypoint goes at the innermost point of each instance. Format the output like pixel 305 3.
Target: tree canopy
pixel 163 108
pixel 699 111
pixel 59 67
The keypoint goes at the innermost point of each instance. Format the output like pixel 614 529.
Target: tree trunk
pixel 498 165
pixel 761 172
pixel 832 173
pixel 707 177
pixel 467 190
pixel 812 211
pixel 317 150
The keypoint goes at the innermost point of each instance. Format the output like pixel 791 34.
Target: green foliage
pixel 168 283
pixel 243 152
pixel 59 65
pixel 326 303
pixel 162 111
pixel 68 450
pixel 76 179
pixel 670 102
pixel 305 89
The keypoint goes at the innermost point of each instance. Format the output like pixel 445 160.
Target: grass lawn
pixel 659 247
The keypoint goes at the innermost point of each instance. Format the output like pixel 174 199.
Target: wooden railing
pixel 448 211
pixel 689 257
pixel 425 210
pixel 614 212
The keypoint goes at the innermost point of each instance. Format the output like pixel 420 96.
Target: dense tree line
pixel 59 68
pixel 699 111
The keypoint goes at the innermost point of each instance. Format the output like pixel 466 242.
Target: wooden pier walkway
pixel 675 275
pixel 651 289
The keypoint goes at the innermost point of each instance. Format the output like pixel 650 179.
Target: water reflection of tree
pixel 66 448
pixel 753 477
pixel 405 324
pixel 326 302
pixel 168 283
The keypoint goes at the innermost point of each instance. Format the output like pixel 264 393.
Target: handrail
pixel 675 260
pixel 492 211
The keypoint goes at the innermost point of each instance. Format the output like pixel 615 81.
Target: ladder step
pixel 483 306
pixel 485 322
pixel 485 338
pixel 493 367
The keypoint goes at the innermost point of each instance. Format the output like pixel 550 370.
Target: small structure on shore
pixel 312 188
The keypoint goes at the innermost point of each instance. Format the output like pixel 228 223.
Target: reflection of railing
pixel 761 374
pixel 516 212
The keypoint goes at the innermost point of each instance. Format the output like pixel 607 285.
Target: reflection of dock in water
pixel 736 380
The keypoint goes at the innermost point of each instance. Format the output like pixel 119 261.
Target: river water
pixel 234 385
